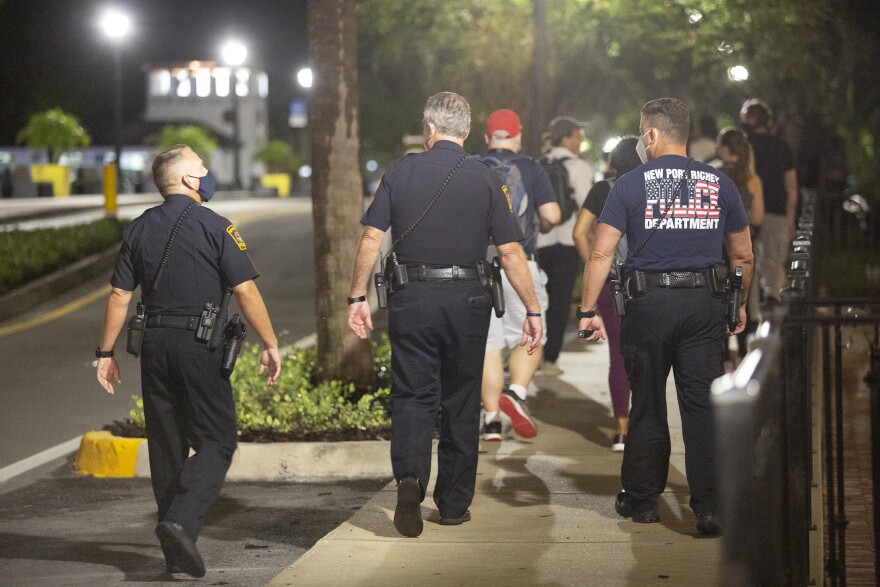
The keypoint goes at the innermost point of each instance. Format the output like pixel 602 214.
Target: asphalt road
pixel 48 389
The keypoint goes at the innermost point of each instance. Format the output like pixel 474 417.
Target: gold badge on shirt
pixel 233 232
pixel 507 195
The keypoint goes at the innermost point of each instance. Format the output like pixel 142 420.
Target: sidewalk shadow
pixel 136 566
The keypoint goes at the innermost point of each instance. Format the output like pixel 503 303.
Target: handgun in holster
pixel 233 334
pixel 734 297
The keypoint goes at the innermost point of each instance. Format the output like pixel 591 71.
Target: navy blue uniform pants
pixel 561 264
pixel 187 404
pixel 681 329
pixel 438 333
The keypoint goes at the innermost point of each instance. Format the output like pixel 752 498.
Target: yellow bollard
pixel 110 189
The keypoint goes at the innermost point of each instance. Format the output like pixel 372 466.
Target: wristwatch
pixel 103 354
pixel 587 314
pixel 357 300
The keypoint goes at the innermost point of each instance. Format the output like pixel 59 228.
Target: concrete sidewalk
pixel 543 512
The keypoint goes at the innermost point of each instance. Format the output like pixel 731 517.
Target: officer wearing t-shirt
pixel 187 402
pixel 677 214
pixel 439 321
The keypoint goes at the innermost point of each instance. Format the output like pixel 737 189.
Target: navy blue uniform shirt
pixel 207 257
pixel 457 229
pixel 691 236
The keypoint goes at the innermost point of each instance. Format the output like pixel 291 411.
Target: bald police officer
pixel 438 322
pixel 677 215
pixel 187 402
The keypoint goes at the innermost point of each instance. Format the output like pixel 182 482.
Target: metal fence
pixel 765 415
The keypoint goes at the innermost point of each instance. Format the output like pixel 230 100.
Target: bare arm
pixel 582 233
pixel 791 201
pixel 114 320
pixel 360 318
pixel 756 216
pixel 513 261
pixel 595 274
pixel 739 249
pixel 549 215
pixel 254 309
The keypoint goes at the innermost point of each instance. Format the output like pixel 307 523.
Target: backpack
pixel 558 174
pixel 515 190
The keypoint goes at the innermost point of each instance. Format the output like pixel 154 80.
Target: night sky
pixel 52 53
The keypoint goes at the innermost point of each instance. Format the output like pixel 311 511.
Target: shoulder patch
pixel 233 232
pixel 507 195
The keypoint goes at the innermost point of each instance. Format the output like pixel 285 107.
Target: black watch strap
pixel 356 300
pixel 103 354
pixel 588 314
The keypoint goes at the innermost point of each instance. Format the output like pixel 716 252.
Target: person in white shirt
pixel 557 255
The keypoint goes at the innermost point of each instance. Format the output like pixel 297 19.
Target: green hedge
pixel 300 406
pixel 29 254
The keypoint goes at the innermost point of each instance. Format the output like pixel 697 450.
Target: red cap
pixel 503 124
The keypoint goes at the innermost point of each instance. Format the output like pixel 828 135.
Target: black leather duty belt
pixel 168 321
pixel 676 279
pixel 425 272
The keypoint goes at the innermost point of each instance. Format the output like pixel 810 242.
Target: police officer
pixel 439 321
pixel 187 403
pixel 675 230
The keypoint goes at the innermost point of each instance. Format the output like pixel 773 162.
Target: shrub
pixel 29 254
pixel 55 131
pixel 300 406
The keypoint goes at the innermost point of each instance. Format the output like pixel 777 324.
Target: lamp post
pixel 234 55
pixel 116 25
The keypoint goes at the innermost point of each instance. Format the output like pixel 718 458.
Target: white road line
pixel 41 458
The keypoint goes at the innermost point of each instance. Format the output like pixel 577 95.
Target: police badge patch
pixel 507 195
pixel 233 232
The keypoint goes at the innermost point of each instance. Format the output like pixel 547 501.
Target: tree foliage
pixel 278 156
pixel 199 139
pixel 55 131
pixel 608 57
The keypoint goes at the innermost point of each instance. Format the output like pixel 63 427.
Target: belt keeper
pixel 455 272
pixel 422 273
pixel 665 279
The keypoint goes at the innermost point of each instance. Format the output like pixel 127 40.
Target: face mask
pixel 641 151
pixel 206 186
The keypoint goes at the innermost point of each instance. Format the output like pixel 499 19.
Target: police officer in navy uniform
pixel 187 402
pixel 438 323
pixel 676 323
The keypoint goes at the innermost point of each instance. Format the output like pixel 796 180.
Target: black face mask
pixel 206 186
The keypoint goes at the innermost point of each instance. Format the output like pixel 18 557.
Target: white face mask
pixel 641 151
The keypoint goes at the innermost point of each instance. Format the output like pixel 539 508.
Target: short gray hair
pixel 449 113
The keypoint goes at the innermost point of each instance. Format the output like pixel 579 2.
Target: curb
pixel 101 454
pixel 48 287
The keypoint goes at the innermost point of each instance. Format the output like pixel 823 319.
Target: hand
pixel 108 371
pixel 270 359
pixel 596 325
pixel 740 323
pixel 532 328
pixel 360 319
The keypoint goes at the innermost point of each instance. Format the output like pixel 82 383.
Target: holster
pixel 135 336
pixel 490 280
pixel 716 278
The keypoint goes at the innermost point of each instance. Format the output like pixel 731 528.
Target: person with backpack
pixel 622 159
pixel 531 198
pixel 571 178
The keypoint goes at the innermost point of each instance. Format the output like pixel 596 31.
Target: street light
pixel 304 77
pixel 116 25
pixel 234 55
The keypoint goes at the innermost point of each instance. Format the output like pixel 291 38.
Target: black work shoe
pixel 408 513
pixel 181 554
pixel 708 525
pixel 515 409
pixel 647 514
pixel 465 517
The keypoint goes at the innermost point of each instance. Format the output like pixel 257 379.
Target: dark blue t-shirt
pixel 691 236
pixel 535 182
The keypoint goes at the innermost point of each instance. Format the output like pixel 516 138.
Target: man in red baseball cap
pixel 532 199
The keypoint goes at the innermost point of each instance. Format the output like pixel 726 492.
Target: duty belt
pixel 676 279
pixel 171 321
pixel 426 272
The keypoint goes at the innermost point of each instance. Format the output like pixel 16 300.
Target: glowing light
pixel 610 144
pixel 304 77
pixel 694 16
pixel 372 166
pixel 115 23
pixel 725 47
pixel 738 73
pixel 234 53
pixel 305 171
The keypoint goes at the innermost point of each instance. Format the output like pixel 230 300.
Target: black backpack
pixel 558 174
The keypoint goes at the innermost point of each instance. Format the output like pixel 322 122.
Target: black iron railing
pixel 764 413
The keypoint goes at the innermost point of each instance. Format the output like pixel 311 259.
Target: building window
pixel 203 83
pixel 242 79
pixel 184 84
pixel 160 82
pixel 221 81
pixel 263 84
